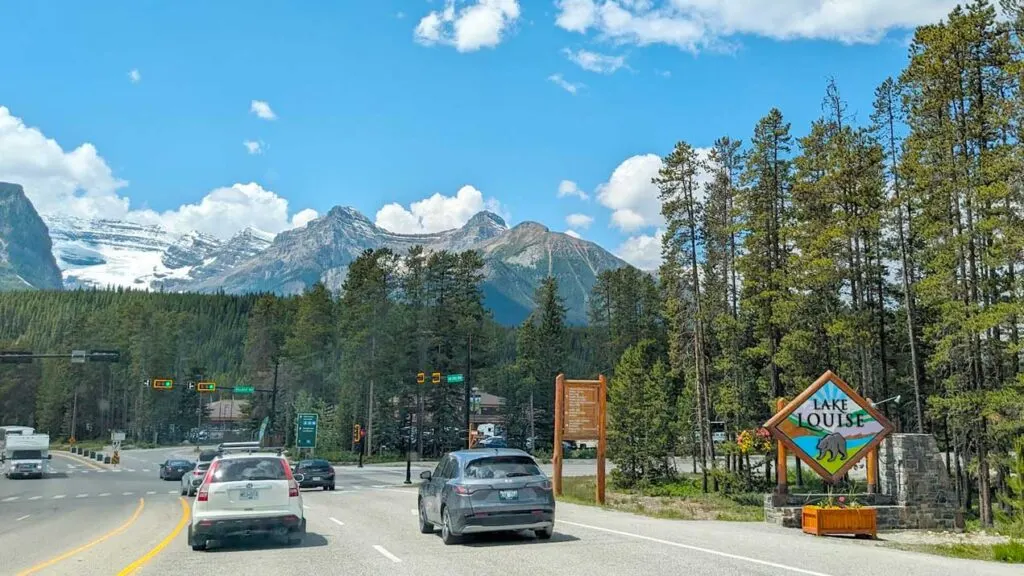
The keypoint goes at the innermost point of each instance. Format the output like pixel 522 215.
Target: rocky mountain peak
pixel 26 251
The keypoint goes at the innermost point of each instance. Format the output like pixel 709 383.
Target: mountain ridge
pixel 26 250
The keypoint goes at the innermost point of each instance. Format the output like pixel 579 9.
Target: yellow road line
pixel 84 547
pixel 75 458
pixel 185 516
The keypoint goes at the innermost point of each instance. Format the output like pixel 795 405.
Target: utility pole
pixel 369 408
pixel 273 397
pixel 469 373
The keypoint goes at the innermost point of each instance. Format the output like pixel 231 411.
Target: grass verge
pixel 677 501
pixel 1011 552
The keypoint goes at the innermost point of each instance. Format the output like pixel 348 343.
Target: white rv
pixel 26 455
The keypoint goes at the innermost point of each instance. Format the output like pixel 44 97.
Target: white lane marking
pixel 116 470
pixel 145 469
pixel 11 499
pixel 697 549
pixel 82 496
pixel 23 517
pixel 59 496
pixel 386 554
pixel 35 498
pixel 105 494
pixel 100 471
pixel 151 492
pixel 172 491
pixel 398 490
pixel 306 507
pixel 127 493
pixel 131 470
pixel 336 521
pixel 414 512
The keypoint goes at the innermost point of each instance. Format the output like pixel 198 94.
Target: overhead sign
pixel 305 430
pixel 243 389
pixel 163 383
pixel 454 379
pixel 582 410
pixel 829 426
pixel 78 356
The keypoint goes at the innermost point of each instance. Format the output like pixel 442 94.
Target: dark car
pixel 493 442
pixel 316 474
pixel 486 490
pixel 175 469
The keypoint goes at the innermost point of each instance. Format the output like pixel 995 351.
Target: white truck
pixel 26 456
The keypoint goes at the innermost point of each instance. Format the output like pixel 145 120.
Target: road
pixel 89 520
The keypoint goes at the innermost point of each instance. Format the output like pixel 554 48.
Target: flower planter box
pixel 823 521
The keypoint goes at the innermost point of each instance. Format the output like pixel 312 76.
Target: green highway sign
pixel 305 430
pixel 243 389
pixel 455 379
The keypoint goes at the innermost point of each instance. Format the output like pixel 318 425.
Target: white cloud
pixel 437 212
pixel 664 73
pixel 697 24
pixel 569 188
pixel 642 251
pixel 400 15
pixel 80 183
pixel 303 217
pixel 579 220
pixel 262 110
pixel 564 84
pixel 135 76
pixel 482 24
pixel 253 146
pixel 573 233
pixel 633 197
pixel 595 62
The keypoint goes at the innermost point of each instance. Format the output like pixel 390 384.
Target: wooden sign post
pixel 580 414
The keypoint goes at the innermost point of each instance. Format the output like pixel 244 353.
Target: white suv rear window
pixel 249 469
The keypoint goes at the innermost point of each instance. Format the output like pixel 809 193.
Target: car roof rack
pixel 246 447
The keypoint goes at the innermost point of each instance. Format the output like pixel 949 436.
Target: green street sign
pixel 242 389
pixel 305 430
pixel 455 379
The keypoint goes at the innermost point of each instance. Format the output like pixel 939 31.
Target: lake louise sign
pixel 829 426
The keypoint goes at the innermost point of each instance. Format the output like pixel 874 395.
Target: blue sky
pixel 386 101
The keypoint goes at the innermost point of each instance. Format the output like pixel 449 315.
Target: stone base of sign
pixel 915 490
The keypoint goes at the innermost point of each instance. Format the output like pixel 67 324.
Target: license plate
pixel 248 495
pixel 315 478
pixel 508 494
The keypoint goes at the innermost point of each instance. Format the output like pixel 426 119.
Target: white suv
pixel 247 495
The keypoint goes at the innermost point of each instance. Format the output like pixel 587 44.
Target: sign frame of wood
pixel 825 407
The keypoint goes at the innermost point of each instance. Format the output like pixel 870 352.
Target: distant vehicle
pixel 492 442
pixel 475 491
pixel 6 431
pixel 316 474
pixel 26 455
pixel 191 480
pixel 485 430
pixel 175 469
pixel 248 494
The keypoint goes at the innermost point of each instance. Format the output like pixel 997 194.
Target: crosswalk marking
pixel 105 494
pixel 145 469
pixel 35 498
pixel 11 499
pixel 82 496
pixel 151 492
pixel 59 496
pixel 127 493
pixel 172 491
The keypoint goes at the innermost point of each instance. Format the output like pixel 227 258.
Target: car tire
pixel 183 491
pixel 447 536
pixel 425 526
pixel 196 545
pixel 332 487
pixel 546 533
pixel 327 487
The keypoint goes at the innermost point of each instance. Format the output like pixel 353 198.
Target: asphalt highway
pixel 90 520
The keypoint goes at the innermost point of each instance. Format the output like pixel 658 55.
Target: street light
pixel 895 399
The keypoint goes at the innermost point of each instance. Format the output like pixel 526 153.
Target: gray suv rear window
pixel 249 469
pixel 502 467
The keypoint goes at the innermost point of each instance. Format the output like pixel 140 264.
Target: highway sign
pixel 421 378
pixel 455 379
pixel 78 356
pixel 435 378
pixel 15 357
pixel 243 389
pixel 206 386
pixel 163 383
pixel 305 430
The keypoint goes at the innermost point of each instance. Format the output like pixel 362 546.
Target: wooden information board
pixel 580 415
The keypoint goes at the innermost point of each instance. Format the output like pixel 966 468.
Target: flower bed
pixel 825 520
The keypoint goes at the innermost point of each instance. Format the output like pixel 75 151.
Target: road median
pixel 96 465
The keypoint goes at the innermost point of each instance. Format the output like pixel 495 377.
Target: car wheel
pixel 546 533
pixel 196 545
pixel 183 491
pixel 446 528
pixel 332 486
pixel 425 526
pixel 327 487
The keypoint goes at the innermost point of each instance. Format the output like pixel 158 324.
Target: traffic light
pixel 206 386
pixel 435 378
pixel 163 384
pixel 421 378
pixel 355 433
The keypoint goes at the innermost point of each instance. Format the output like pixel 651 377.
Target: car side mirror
pixel 299 478
pixel 49 456
pixel 425 475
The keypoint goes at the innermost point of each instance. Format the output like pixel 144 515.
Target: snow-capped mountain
pixel 104 253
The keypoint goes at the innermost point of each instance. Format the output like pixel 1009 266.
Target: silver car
pixel 191 480
pixel 486 490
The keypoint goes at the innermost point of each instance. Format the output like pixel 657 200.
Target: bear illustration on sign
pixel 834 445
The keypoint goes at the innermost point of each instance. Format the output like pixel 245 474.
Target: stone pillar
pixel 912 472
